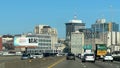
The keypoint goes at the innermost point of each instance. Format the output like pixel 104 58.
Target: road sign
pixel 87 47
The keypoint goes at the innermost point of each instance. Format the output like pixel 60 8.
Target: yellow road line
pixel 56 63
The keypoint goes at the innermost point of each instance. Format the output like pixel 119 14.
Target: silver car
pixel 88 57
pixel 108 57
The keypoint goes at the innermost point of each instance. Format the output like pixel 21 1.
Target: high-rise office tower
pixel 102 26
pixel 72 26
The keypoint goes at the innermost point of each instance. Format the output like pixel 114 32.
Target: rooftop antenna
pixel 75 15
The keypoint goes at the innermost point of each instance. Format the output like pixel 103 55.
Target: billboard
pixel 25 41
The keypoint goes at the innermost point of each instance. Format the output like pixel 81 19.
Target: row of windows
pixel 40 48
pixel 45 47
pixel 74 46
pixel 44 37
pixel 44 40
pixel 41 36
pixel 105 27
pixel 42 51
pixel 42 44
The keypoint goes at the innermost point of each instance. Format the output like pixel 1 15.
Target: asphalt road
pixel 9 58
pixel 63 63
pixel 78 64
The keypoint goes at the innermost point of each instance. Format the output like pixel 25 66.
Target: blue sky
pixel 21 16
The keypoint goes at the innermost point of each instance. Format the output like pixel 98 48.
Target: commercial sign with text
pixel 25 41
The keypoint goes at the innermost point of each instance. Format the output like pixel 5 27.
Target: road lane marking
pixel 117 67
pixel 56 63
pixel 84 66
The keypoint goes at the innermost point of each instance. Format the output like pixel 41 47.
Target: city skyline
pixel 17 17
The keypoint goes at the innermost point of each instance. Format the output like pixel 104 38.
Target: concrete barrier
pixel 31 63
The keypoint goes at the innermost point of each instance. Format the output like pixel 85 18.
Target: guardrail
pixel 31 63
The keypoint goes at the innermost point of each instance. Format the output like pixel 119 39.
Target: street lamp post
pixel 26 49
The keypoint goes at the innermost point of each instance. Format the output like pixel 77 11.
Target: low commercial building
pixel 35 43
pixel 7 42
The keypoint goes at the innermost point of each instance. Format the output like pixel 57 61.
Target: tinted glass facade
pixel 98 28
pixel 105 27
pixel 72 27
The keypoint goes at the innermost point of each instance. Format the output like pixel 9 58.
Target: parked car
pixel 88 57
pixel 24 56
pixel 18 53
pixel 70 56
pixel 37 55
pixel 59 54
pixel 108 57
pixel 31 56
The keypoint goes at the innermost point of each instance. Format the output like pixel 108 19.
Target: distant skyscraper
pixel 72 26
pixel 102 26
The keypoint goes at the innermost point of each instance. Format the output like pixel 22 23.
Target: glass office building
pixel 105 27
pixel 102 26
